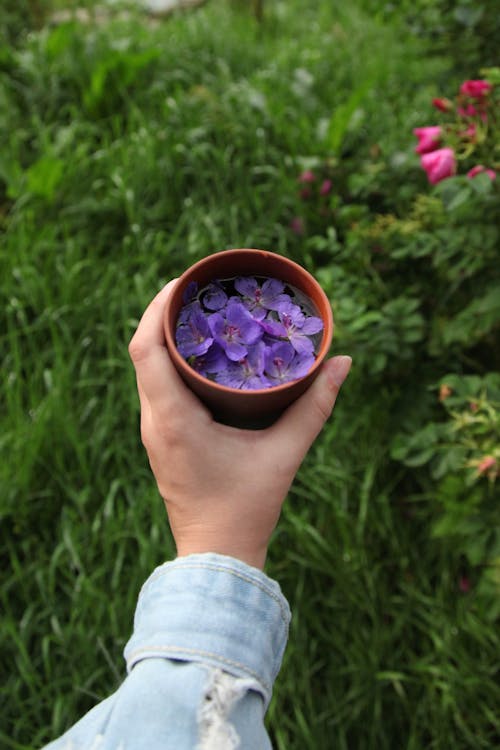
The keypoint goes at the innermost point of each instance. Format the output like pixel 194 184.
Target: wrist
pixel 255 557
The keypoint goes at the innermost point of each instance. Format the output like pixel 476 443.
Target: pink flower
pixel 428 138
pixel 486 464
pixel 468 111
pixel 464 584
pixel 478 169
pixel 305 193
pixel 439 164
pixel 307 176
pixel 297 225
pixel 444 105
pixel 470 133
pixel 325 188
pixel 475 89
pixel 471 111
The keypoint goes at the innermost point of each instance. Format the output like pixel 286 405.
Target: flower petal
pixel 312 325
pixel 235 351
pixel 246 286
pixel 301 343
pixel 214 298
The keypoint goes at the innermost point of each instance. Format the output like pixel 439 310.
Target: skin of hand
pixel 223 487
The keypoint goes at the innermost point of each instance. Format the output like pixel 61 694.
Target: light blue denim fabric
pixel 209 636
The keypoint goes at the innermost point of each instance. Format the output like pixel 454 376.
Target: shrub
pixel 462 452
pixel 465 30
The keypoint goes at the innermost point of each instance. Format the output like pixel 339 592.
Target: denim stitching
pixel 221 569
pixel 197 652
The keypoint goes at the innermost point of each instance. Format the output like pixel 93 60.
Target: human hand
pixel 223 487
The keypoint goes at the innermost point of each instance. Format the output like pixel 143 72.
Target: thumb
pixel 302 422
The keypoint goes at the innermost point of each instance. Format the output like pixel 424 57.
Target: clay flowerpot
pixel 247 408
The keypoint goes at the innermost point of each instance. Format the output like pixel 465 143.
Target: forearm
pixel 209 635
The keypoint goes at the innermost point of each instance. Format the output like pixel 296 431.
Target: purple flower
pixel 190 292
pixel 258 338
pixel 283 364
pixel 248 373
pixel 294 326
pixel 214 297
pixel 298 328
pixel 235 330
pixel 193 338
pixel 188 310
pixel 259 299
pixel 213 361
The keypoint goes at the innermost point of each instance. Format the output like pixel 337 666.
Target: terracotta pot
pixel 245 408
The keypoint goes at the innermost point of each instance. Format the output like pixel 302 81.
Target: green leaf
pixel 448 461
pixel 114 74
pixel 482 183
pixel 460 199
pixel 416 449
pixel 468 16
pixel 60 39
pixel 342 116
pixel 476 320
pixel 476 547
pixel 456 525
pixel 44 177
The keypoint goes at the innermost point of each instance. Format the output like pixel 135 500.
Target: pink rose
pixel 470 133
pixel 487 463
pixel 471 111
pixel 475 89
pixel 428 138
pixel 444 105
pixel 297 225
pixel 307 176
pixel 464 584
pixel 439 164
pixel 468 111
pixel 478 169
pixel 325 188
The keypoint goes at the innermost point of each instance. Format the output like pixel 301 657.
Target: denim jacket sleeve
pixel 209 636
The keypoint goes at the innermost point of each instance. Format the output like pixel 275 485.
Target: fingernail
pixel 339 370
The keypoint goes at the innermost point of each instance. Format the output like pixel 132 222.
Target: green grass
pixel 128 152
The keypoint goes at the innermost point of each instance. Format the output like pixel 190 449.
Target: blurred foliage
pixel 463 453
pixel 416 291
pixel 466 30
pixel 17 18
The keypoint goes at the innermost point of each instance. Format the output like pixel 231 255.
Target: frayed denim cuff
pixel 215 610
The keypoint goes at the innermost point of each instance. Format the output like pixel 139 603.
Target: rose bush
pixel 463 454
pixel 416 288
pixel 470 133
